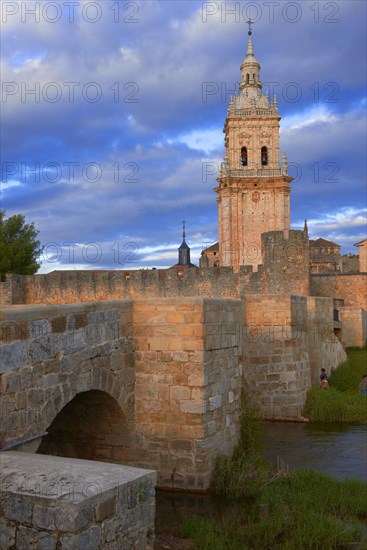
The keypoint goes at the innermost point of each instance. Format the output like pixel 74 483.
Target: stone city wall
pixel 286 263
pixel 276 371
pixel 285 271
pixel 325 349
pixel 354 326
pixel 352 287
pixel 58 503
pixel 63 287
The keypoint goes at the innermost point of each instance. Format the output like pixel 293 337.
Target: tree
pixel 19 247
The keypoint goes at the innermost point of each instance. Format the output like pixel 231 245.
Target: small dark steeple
pixel 305 228
pixel 183 253
pixel 184 249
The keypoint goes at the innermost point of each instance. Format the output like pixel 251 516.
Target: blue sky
pixel 112 119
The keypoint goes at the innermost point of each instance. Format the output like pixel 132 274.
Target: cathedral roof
pixel 322 242
pixel 213 248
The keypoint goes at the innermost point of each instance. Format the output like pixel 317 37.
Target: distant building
pixel 325 257
pixel 210 256
pixel 362 246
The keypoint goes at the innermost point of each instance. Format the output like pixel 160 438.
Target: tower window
pixel 244 156
pixel 264 156
pixel 253 76
pixel 247 78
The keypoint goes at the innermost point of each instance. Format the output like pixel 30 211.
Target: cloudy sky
pixel 112 118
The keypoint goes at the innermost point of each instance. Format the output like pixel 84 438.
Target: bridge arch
pixel 91 426
pixel 98 379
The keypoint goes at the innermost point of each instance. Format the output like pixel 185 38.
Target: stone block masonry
pixel 325 349
pixel 352 288
pixel 155 382
pixel 65 504
pixel 354 326
pixel 50 354
pixel 188 386
pixel 276 371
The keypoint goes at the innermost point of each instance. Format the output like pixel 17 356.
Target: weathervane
pixel 183 229
pixel 249 22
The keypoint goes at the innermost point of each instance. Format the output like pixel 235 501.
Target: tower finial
pixel 250 67
pixel 183 230
pixel 249 22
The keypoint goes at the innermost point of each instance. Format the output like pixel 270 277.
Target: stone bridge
pixel 156 383
pixel 123 381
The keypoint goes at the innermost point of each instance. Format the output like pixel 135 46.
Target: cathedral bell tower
pixel 253 188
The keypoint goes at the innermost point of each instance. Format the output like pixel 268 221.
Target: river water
pixel 339 450
pixel 334 449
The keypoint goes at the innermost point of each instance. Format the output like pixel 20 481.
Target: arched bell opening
pixel 244 156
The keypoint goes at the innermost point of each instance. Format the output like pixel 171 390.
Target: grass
pixel 277 509
pixel 246 471
pixel 347 376
pixel 341 402
pixel 302 510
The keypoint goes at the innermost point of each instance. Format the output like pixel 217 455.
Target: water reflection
pixel 335 449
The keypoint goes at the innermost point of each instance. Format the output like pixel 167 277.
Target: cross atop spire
pixel 249 22
pixel 183 230
pixel 250 67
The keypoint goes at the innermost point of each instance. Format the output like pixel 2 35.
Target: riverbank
pixel 341 402
pixel 301 510
pixel 272 507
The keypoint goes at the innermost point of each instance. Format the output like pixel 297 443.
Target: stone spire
pixel 250 67
pixel 305 228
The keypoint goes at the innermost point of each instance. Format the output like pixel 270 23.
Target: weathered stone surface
pixel 17 508
pixel 91 538
pixel 162 401
pixel 29 538
pixel 77 503
pixel 43 517
pixel 7 533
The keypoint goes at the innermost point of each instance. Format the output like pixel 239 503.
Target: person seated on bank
pixel 363 385
pixel 324 383
pixel 323 375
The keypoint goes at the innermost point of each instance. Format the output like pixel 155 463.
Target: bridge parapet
pixel 53 502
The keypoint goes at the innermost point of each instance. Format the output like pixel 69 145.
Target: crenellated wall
pixel 61 287
pixel 285 271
